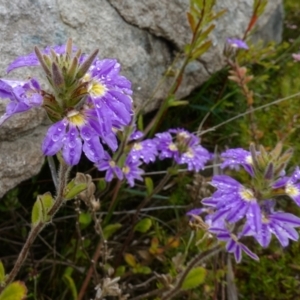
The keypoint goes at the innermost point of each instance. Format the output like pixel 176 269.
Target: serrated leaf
pixel 2 272
pixel 194 278
pixel 74 191
pixel 85 219
pixel 143 226
pixel 149 185
pixel 130 260
pixel 109 230
pixel 14 291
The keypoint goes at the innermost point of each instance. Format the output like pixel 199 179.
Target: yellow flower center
pixel 189 153
pixel 173 147
pixel 112 163
pixel 97 89
pixel 76 118
pixel 86 77
pixel 264 219
pixel 291 190
pixel 247 195
pixel 137 146
pixel 249 160
pixel 126 169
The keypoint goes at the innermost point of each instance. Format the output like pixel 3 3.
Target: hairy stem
pixel 35 230
pixel 24 252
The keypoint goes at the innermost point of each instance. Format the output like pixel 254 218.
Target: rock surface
pixel 142 35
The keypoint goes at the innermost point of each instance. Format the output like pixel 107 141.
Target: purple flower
pixel 281 224
pixel 132 171
pixel 233 202
pixel 233 158
pixel 237 43
pixel 111 168
pixel 195 158
pixel 69 134
pixel 145 150
pixel 184 147
pixel 23 96
pixel 196 212
pixel 232 243
pixel 136 135
pixel 86 112
pixel 291 185
pixel 109 92
pixel 166 147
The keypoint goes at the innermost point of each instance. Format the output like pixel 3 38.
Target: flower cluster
pixel 89 102
pixel 237 210
pixel 184 147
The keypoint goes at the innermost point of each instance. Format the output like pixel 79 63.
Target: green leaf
pixel 47 203
pixel 130 259
pixel 194 278
pixel 109 230
pixel 140 122
pixel 36 214
pixel 141 270
pixel 219 14
pixel 67 278
pixel 192 21
pixel 40 209
pixel 187 49
pixel 14 291
pixel 74 190
pixel 2 272
pixel 149 185
pixel 202 49
pixel 101 184
pixel 120 271
pixel 85 219
pixel 145 270
pixel 143 226
pixel 179 103
pixel 198 3
pixel 204 34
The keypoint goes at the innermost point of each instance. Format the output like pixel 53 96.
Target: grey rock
pixel 142 35
pixel 20 159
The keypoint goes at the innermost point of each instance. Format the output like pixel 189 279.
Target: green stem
pixel 177 81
